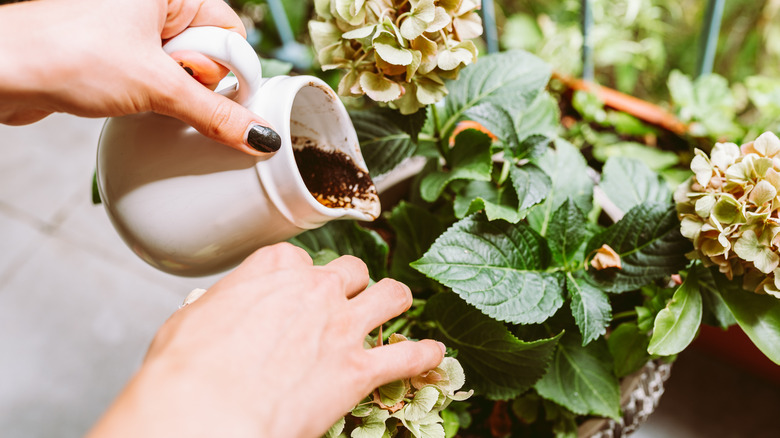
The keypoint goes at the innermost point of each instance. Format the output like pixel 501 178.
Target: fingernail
pixel 443 348
pixel 263 139
pixel 187 69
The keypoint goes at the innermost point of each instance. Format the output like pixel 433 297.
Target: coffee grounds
pixel 331 176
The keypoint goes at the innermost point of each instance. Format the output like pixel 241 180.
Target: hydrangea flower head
pixel 396 51
pixel 730 209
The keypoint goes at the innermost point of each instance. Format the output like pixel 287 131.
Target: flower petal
pixel 379 88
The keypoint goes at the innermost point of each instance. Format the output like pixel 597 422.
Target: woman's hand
pixel 96 58
pixel 275 349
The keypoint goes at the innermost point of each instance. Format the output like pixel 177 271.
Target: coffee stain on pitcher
pixel 334 179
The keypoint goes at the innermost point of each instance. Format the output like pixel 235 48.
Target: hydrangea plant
pixel 729 209
pixel 396 51
pixel 416 403
pixel 501 233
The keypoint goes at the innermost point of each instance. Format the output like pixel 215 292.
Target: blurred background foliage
pixel 644 48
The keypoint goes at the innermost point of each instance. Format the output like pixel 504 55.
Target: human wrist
pixel 169 398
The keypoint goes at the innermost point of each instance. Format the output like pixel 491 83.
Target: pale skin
pixel 97 58
pixel 274 349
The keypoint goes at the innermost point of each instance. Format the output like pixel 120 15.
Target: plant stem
pixel 504 172
pixel 437 134
pixel 394 327
pixel 626 314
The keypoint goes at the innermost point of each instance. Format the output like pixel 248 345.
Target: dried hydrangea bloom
pixel 396 51
pixel 730 209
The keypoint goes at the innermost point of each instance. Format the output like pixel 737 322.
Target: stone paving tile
pixel 73 328
pixel 42 163
pixel 18 234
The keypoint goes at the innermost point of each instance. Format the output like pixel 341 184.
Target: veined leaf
pixel 567 170
pixel 498 202
pixel 757 315
pixel 497 267
pixel 628 183
pixel 628 345
pixel 469 158
pixel 415 231
pixel 568 230
pixel 531 185
pixel 383 142
pixel 677 324
pixel 347 238
pixel 497 364
pixel 510 80
pixel 581 379
pixel 716 313
pixel 649 244
pixel 497 120
pixel 541 118
pixel 590 307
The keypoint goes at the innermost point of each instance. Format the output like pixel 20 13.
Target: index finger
pixel 188 13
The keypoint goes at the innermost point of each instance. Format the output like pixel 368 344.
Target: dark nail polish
pixel 263 139
pixel 187 69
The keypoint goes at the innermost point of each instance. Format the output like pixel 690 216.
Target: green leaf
pixel 590 307
pixel 275 67
pixel 95 191
pixel 649 244
pixel 568 173
pixel 415 231
pixel 451 423
pixel 628 183
pixel 324 256
pixel 497 364
pixel 347 238
pixel 497 120
pixel 628 346
pixel 469 158
pixel 568 230
pixel 757 315
pixel 511 80
pixel 541 118
pixel 531 184
pixel 383 142
pixel 716 313
pixel 677 324
pixel 497 267
pixel 655 159
pixel 498 202
pixel 581 379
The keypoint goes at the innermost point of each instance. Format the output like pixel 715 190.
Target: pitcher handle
pixel 227 48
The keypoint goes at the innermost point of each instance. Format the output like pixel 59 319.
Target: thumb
pixel 214 115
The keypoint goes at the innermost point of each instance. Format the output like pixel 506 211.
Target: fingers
pixel 403 360
pixel 200 67
pixel 353 273
pixel 191 13
pixel 274 258
pixel 213 115
pixel 381 302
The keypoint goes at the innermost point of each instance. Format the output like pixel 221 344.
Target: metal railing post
pixel 489 24
pixel 709 37
pixel 588 67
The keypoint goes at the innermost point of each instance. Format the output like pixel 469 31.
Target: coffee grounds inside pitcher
pixel 333 178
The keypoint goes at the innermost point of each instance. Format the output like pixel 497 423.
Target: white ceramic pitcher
pixel 190 206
